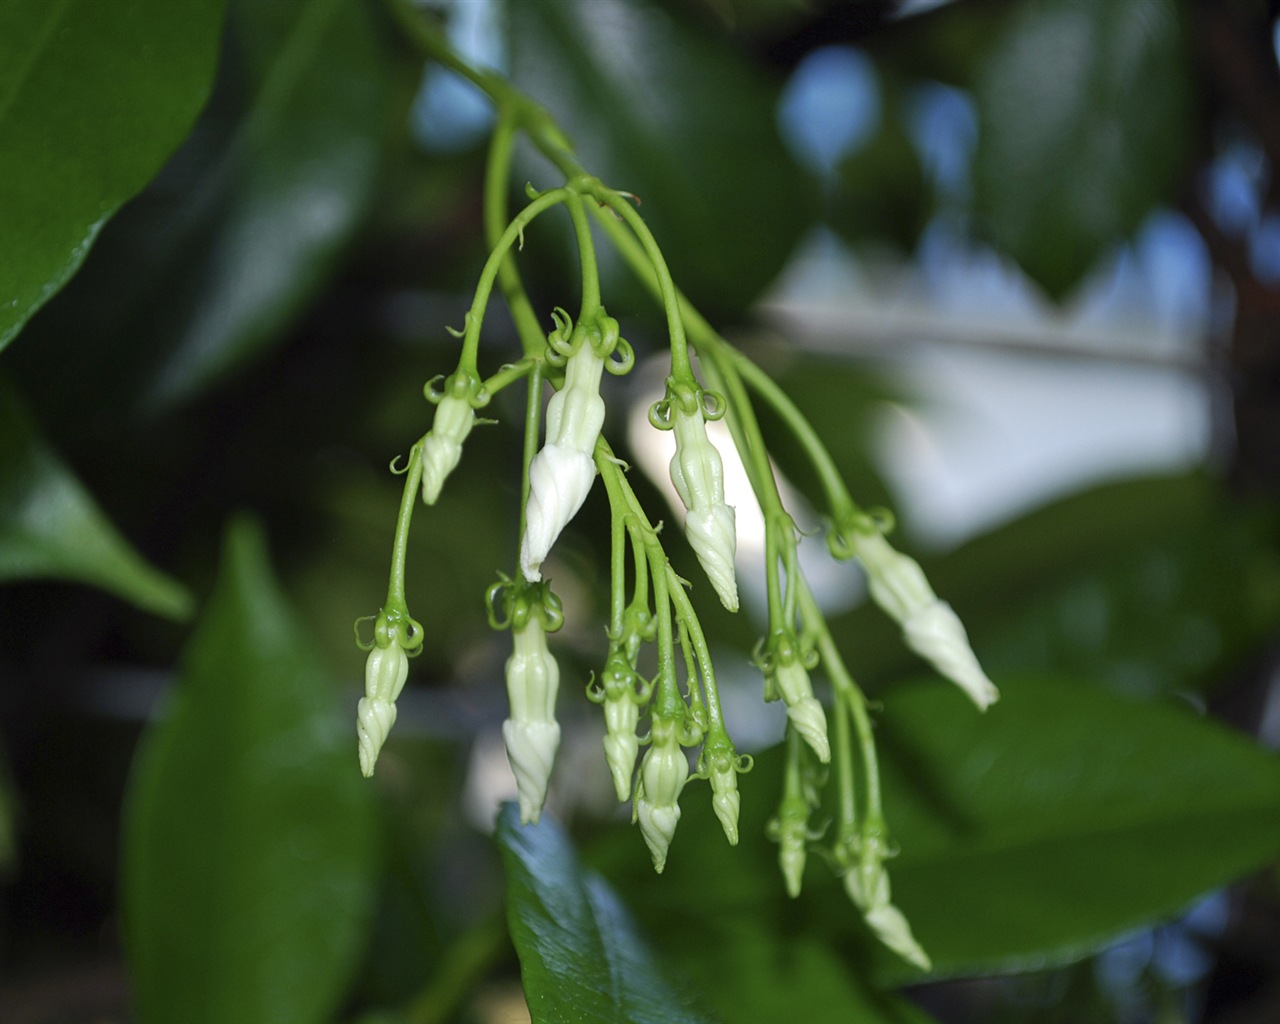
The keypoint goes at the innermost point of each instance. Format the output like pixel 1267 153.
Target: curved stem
pixel 400 547
pixel 532 420
pixel 587 257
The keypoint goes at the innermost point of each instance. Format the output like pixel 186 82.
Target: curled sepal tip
pixel 386 670
pixel 663 774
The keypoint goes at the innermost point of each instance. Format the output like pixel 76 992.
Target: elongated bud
pixel 803 709
pixel 722 771
pixel 561 474
pixel 930 627
pixel 385 672
pixel 560 479
pixel 792 833
pixel 531 734
pixel 697 473
pixel 662 776
pixel 442 447
pixel 867 883
pixel 621 744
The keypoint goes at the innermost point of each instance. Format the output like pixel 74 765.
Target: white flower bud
pixel 621 745
pixel 531 734
pixel 930 627
pixel 385 672
pixel 662 776
pixel 725 800
pixel 792 852
pixel 560 479
pixel 887 922
pixel 803 709
pixel 697 473
pixel 442 447
pixel 561 474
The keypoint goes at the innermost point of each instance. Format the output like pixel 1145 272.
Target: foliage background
pixel 230 263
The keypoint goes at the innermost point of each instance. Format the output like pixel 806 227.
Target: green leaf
pixel 93 97
pixel 209 267
pixel 581 957
pixel 1038 832
pixel 1084 112
pixel 679 118
pixel 249 835
pixel 50 526
pixel 881 193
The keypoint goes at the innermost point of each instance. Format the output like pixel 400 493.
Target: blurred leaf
pixel 881 190
pixel 1084 112
pixel 50 526
pixel 93 98
pixel 210 266
pixel 249 836
pixel 681 120
pixel 1150 585
pixel 581 958
pixel 1038 832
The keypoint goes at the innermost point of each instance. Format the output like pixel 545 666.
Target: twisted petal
pixel 531 749
pixel 792 854
pixel 937 635
pixel 725 801
pixel 803 709
pixel 621 745
pixel 559 481
pixel 575 413
pixel 658 826
pixel 712 537
pixel 374 719
pixel 385 672
pixel 891 928
pixel 533 676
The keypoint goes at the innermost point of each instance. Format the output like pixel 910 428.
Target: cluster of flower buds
pixel 395 637
pixel 697 473
pixel 929 626
pixel 531 733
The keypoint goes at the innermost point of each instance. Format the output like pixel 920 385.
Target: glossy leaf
pixel 93 98
pixel 51 528
pixel 1038 832
pixel 249 836
pixel 663 110
pixel 581 958
pixel 1084 112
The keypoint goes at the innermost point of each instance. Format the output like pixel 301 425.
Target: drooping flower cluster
pixel 686 737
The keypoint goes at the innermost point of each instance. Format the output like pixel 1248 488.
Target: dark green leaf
pixel 1084 115
pixel 1041 831
pixel 93 98
pixel 681 120
pixel 249 836
pixel 50 526
pixel 881 190
pixel 581 957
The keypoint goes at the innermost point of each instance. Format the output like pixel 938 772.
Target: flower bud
pixel 621 745
pixel 803 709
pixel 867 884
pixel 793 834
pixel 725 800
pixel 697 473
pixel 930 627
pixel 662 776
pixel 385 672
pixel 442 447
pixel 531 734
pixel 561 474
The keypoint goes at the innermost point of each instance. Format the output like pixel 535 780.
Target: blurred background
pixel 1019 261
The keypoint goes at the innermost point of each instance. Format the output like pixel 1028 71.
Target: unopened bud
pixel 531 734
pixel 662 776
pixel 442 447
pixel 385 672
pixel 697 472
pixel 803 709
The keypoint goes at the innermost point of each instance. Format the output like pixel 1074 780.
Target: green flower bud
pixel 867 884
pixel 722 770
pixel 789 679
pixel 697 473
pixel 442 447
pixel 662 776
pixel 531 734
pixel 385 672
pixel 930 627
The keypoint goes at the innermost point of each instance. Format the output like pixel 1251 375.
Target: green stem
pixel 514 231
pixel 587 257
pixel 532 420
pixel 400 548
pixel 848 814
